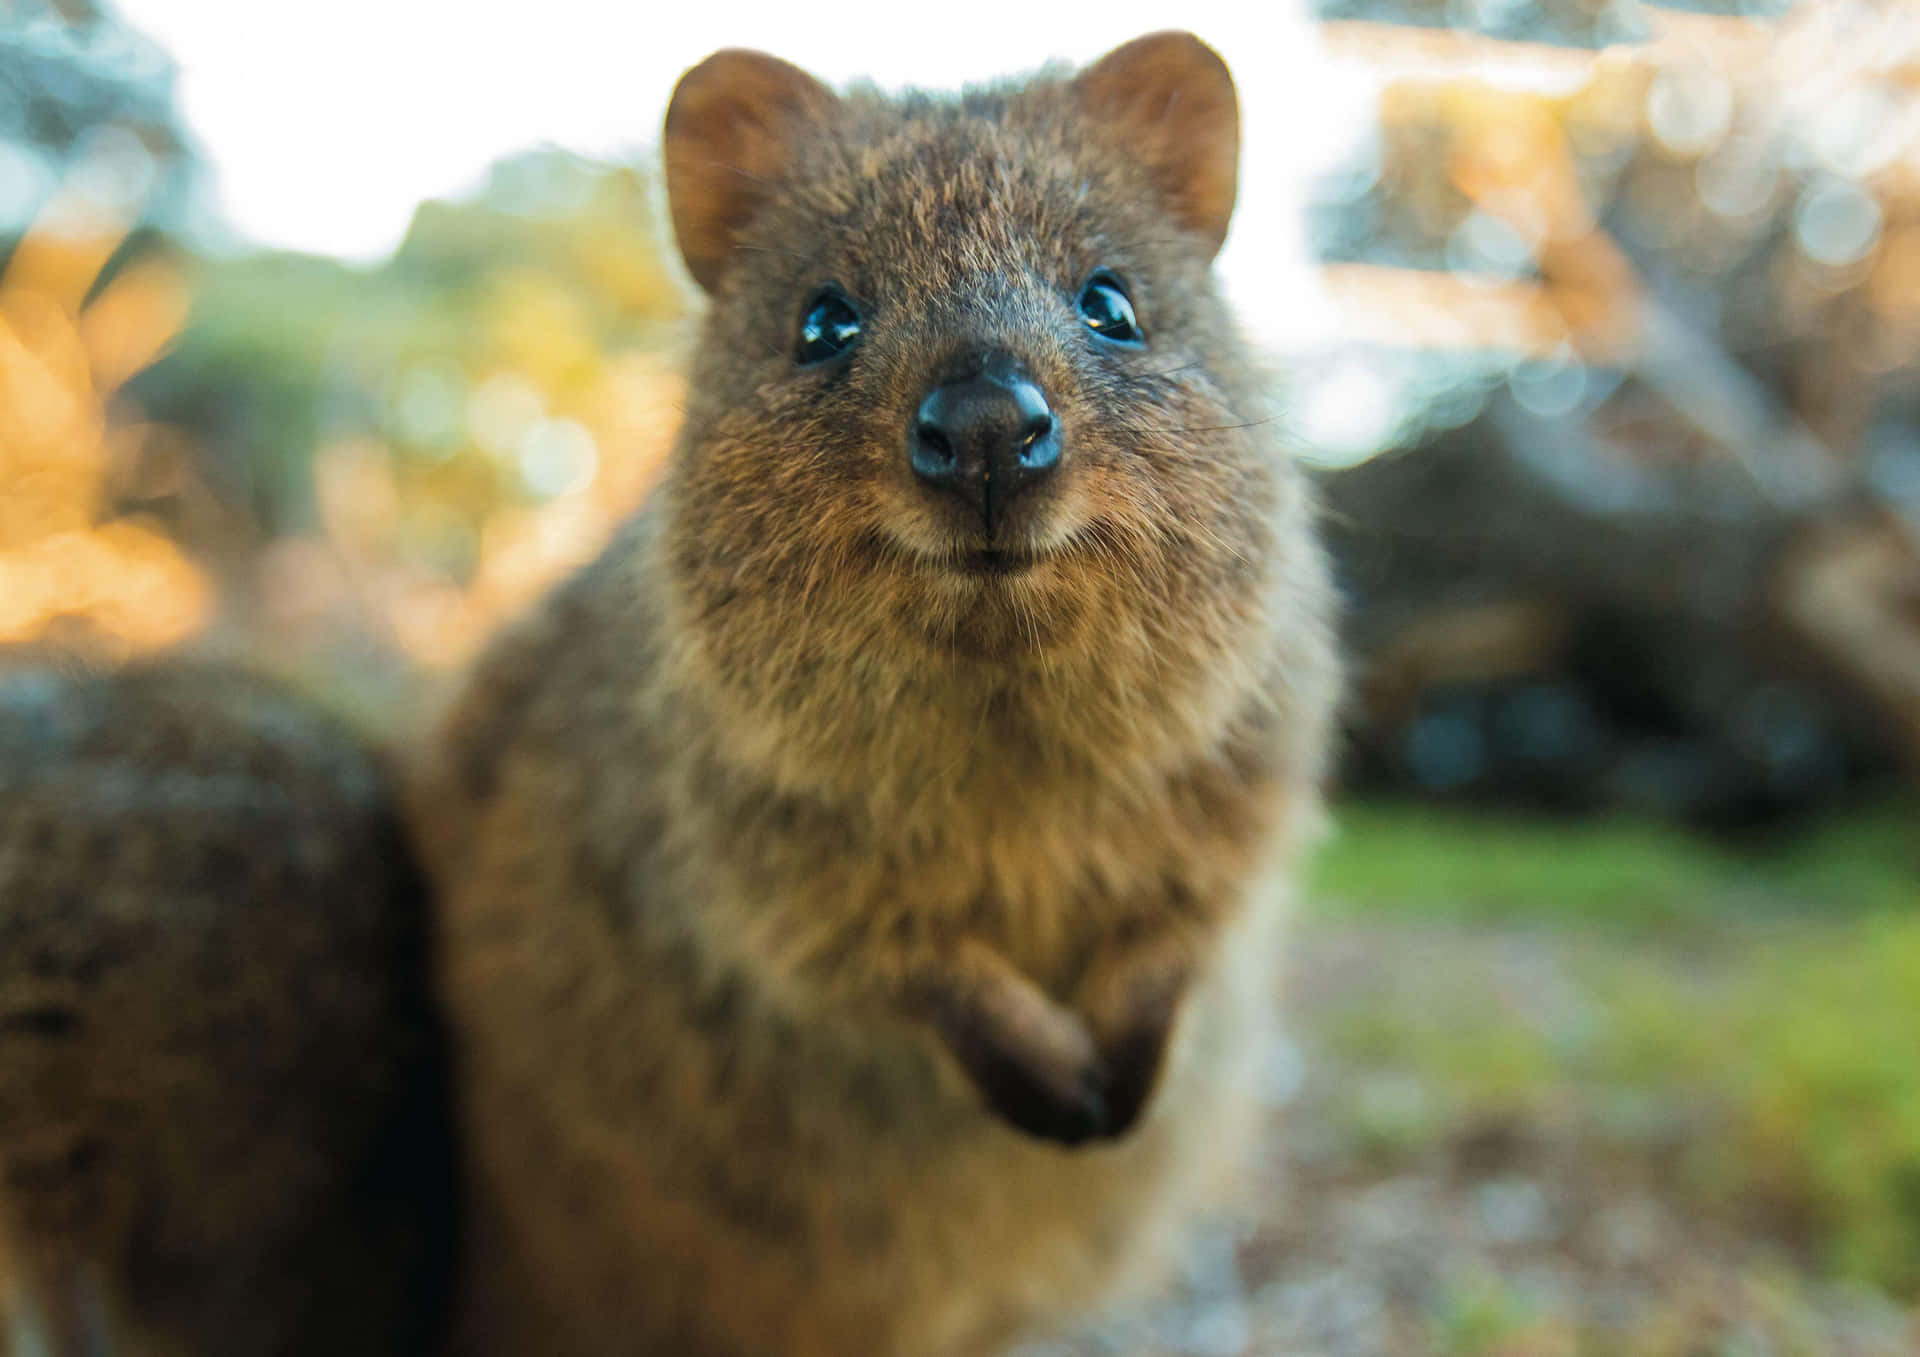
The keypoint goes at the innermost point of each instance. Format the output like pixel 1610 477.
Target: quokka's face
pixel 969 346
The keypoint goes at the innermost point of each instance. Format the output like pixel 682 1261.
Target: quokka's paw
pixel 1131 1004
pixel 1033 1061
pixel 1067 1104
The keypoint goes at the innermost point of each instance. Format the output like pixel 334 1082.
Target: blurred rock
pixel 1628 404
pixel 1676 644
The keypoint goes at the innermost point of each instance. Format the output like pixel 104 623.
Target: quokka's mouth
pixel 993 562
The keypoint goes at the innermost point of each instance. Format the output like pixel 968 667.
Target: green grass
pixel 1485 1317
pixel 1761 1012
pixel 1820 1069
pixel 1429 863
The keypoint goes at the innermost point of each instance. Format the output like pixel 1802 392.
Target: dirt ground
pixel 1506 1237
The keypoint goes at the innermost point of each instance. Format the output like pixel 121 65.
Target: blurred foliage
pixel 424 444
pixel 1634 288
pixel 87 103
pixel 76 551
pixel 368 468
pixel 351 474
pixel 94 170
pixel 1552 220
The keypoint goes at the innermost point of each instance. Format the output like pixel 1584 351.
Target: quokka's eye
pixel 830 327
pixel 1108 311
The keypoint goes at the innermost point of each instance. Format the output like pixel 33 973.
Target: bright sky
pixel 327 124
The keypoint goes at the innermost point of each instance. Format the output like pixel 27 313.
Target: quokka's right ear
pixel 730 132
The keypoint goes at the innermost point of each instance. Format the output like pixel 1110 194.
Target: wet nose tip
pixel 1039 450
pixel 985 438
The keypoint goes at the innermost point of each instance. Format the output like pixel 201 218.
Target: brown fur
pixel 856 952
pixel 221 1126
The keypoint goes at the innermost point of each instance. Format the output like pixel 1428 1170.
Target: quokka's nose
pixel 985 437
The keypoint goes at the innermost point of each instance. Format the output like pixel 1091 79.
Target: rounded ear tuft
pixel 1169 100
pixel 730 132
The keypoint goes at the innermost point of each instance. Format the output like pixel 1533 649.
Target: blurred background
pixel 328 341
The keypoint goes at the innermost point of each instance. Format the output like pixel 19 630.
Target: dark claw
pixel 1136 1062
pixel 1134 1048
pixel 1020 1096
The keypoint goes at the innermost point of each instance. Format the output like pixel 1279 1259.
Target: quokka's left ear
pixel 1169 100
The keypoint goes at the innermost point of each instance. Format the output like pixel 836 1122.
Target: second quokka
pixel 859 882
